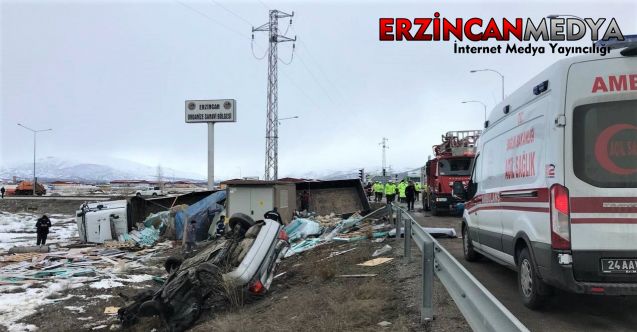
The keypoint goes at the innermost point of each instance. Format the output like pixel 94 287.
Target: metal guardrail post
pixel 399 221
pixel 407 245
pixel 426 308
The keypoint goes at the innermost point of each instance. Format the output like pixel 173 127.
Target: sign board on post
pixel 221 110
pixel 211 111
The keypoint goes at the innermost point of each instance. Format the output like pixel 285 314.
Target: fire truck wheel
pixel 434 209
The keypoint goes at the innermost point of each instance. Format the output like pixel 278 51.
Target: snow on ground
pixel 18 229
pixel 14 306
pixel 19 301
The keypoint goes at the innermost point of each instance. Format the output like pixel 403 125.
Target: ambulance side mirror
pixel 472 188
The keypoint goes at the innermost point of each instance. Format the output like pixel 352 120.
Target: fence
pixel 480 308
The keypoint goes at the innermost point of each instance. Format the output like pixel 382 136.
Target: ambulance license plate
pixel 619 265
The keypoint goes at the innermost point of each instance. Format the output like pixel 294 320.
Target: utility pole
pixel 272 122
pixel 384 145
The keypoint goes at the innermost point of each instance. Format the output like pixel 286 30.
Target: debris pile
pixel 312 231
pixel 31 279
pixel 95 262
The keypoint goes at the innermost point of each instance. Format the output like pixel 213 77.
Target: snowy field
pixel 23 298
pixel 18 229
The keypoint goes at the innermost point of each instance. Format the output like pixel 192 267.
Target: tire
pixel 434 209
pixel 243 220
pixel 138 194
pixel 172 263
pixel 154 194
pixel 470 255
pixel 149 308
pixel 532 289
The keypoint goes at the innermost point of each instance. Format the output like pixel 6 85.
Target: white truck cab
pixel 553 192
pixel 102 221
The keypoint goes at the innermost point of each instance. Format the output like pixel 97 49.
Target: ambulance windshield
pixel 605 144
pixel 455 166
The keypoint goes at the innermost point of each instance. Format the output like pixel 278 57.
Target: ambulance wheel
pixel 533 290
pixel 470 255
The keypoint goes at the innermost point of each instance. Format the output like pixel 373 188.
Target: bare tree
pixel 160 177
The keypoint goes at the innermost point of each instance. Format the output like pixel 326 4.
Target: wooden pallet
pixel 27 256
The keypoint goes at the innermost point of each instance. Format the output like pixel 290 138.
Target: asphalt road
pixel 564 312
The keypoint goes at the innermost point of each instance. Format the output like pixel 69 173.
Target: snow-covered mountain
pixel 51 168
pixel 348 174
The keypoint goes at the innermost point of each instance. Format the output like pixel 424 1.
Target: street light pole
pixel 34 147
pixel 479 102
pixel 495 71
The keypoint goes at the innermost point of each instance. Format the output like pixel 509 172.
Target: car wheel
pixel 243 220
pixel 470 255
pixel 533 290
pixel 138 194
pixel 172 264
pixel 154 194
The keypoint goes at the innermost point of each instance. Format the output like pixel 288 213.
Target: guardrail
pixel 480 308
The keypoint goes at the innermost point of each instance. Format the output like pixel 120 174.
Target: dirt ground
pixel 310 294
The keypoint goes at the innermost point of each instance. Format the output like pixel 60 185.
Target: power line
pixel 291 57
pixel 320 69
pixel 212 19
pixel 232 12
pixel 255 56
pixel 315 79
pixel 264 5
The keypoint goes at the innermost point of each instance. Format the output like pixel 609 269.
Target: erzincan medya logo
pixel 475 29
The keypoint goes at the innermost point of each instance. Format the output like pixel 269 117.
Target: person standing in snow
pixel 42 226
pixel 191 234
pixel 2 192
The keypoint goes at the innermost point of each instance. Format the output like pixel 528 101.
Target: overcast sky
pixel 111 78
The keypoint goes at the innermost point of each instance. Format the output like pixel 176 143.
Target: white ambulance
pixel 553 192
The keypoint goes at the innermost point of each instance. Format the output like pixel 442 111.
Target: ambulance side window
pixel 476 173
pixel 477 170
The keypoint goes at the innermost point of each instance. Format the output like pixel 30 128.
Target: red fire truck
pixel 450 166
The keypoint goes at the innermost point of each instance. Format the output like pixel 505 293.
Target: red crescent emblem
pixel 601 149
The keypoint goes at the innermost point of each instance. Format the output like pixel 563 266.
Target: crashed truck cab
pixel 102 221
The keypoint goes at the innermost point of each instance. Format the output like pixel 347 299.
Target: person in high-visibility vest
pixel 390 191
pixel 418 189
pixel 378 188
pixel 401 191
